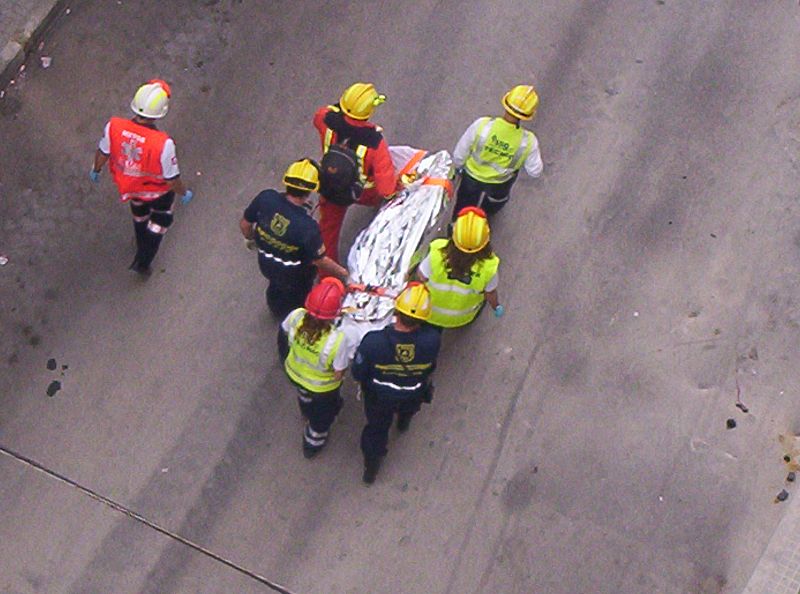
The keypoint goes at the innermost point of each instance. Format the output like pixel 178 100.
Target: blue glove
pixel 94 175
pixel 499 311
pixel 187 197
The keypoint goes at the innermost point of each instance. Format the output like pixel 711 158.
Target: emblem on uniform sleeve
pixel 404 353
pixel 279 224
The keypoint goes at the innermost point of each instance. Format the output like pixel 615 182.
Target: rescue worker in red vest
pixel 461 272
pixel 394 367
pixel 144 166
pixel 290 251
pixel 493 150
pixel 347 123
pixel 317 360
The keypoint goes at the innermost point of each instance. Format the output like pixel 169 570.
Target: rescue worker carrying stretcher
pixel 288 240
pixel 316 358
pixel 144 166
pixel 394 367
pixel 356 166
pixel 493 150
pixel 461 272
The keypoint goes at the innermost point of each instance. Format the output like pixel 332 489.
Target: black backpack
pixel 339 175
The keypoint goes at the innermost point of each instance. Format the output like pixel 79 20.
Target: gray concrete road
pixel 577 445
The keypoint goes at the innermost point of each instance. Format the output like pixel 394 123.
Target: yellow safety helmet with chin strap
pixel 471 230
pixel 360 99
pixel 302 175
pixel 414 301
pixel 521 102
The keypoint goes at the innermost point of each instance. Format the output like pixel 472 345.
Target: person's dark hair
pixel 297 193
pixel 311 328
pixel 407 320
pixel 459 263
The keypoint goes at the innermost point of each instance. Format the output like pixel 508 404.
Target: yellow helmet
pixel 360 99
pixel 302 175
pixel 471 230
pixel 521 102
pixel 414 301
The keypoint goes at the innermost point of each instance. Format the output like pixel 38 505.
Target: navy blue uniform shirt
pixel 396 364
pixel 288 238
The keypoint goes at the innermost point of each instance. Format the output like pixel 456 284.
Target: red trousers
pixel 331 217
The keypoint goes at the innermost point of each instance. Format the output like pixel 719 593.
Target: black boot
pixel 403 423
pixel 371 467
pixel 138 268
pixel 310 450
pixel 140 230
pixel 149 249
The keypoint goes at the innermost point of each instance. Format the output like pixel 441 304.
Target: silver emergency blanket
pixel 383 251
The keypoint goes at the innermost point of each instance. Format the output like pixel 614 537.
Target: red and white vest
pixel 135 161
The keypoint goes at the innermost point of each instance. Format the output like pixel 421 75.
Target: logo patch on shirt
pixel 279 224
pixel 132 151
pixel 404 352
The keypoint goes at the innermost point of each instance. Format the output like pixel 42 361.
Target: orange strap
pixel 411 163
pixel 440 181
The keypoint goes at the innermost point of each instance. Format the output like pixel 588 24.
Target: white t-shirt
pixel 425 269
pixel 169 160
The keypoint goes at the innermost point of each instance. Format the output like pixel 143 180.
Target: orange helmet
pixel 325 300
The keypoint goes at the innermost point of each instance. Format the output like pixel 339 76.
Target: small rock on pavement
pixel 54 387
pixel 783 495
pixel 51 364
pixel 730 423
pixel 3 259
pixel 790 477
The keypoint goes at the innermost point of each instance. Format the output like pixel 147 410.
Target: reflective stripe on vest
pixel 454 303
pixel 311 366
pixel 135 160
pixel 360 150
pixel 490 158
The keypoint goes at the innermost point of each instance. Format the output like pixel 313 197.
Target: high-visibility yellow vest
pixel 360 150
pixel 454 303
pixel 498 150
pixel 311 365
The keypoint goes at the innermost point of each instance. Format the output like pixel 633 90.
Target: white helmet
pixel 151 100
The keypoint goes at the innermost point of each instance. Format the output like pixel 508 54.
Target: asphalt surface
pixel 579 444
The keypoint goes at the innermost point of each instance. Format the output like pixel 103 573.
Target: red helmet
pixel 325 300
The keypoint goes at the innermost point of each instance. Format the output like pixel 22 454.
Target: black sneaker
pixel 403 423
pixel 371 467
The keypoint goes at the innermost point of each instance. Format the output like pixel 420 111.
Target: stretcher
pixel 385 251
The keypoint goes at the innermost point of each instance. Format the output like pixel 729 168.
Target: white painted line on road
pixel 139 518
